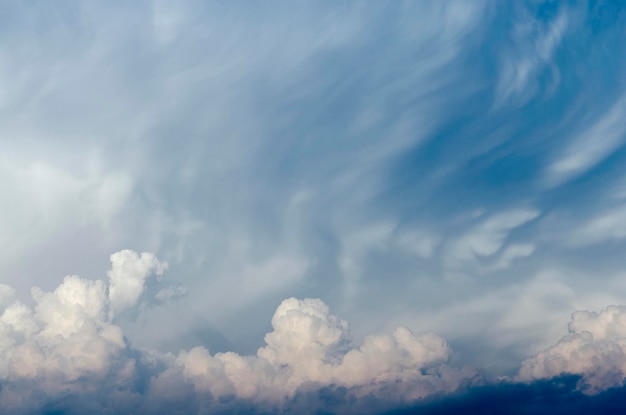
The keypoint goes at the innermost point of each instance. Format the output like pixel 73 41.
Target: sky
pixel 312 207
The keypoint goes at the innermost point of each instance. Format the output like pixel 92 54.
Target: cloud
pixel 309 347
pixel 64 344
pixel 202 121
pixel 356 245
pixel 591 146
pixel 68 353
pixel 43 199
pixel 417 242
pixel 595 349
pixel 605 226
pixel 534 44
pixel 127 277
pixel 487 238
pixel 511 253
pixel 69 344
pixel 514 320
pixel 340 142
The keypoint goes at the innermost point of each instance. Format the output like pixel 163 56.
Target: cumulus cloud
pixel 595 349
pixel 69 344
pixel 311 348
pixel 67 352
pixel 128 275
pixel 65 343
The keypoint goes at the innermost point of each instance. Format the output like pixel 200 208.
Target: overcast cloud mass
pixel 312 207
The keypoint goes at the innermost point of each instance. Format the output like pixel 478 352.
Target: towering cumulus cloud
pixel 65 344
pixel 309 348
pixel 66 353
pixel 595 349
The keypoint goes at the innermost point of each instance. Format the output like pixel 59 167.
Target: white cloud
pixel 605 226
pixel 511 253
pixel 591 146
pixel 487 238
pixel 68 344
pixel 595 348
pixel 310 345
pixel 534 46
pixel 128 277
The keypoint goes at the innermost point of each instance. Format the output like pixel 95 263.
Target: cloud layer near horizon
pixel 67 345
pixel 66 351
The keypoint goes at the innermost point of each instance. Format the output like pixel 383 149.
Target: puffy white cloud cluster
pixel 66 342
pixel 595 348
pixel 309 346
pixel 67 352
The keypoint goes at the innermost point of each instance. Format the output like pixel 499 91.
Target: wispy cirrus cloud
pixel 534 44
pixel 591 146
pixel 487 238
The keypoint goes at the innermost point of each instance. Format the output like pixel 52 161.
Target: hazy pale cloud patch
pixel 42 199
pixel 520 316
pixel 356 244
pixel 417 242
pixel 607 225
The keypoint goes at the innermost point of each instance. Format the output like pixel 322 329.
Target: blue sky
pixel 450 167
